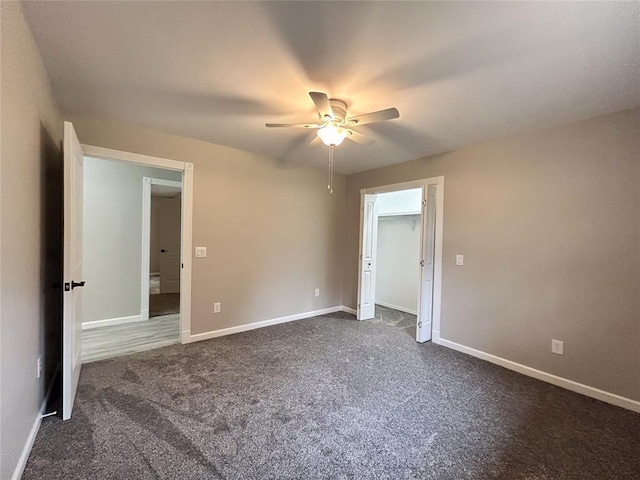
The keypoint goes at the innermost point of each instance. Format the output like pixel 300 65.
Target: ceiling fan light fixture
pixel 335 125
pixel 332 135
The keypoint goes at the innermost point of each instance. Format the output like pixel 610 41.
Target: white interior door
pixel 425 299
pixel 169 231
pixel 368 251
pixel 72 269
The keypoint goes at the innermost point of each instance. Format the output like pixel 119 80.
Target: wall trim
pixel 261 324
pixel 28 445
pixel 396 307
pixel 350 310
pixel 577 387
pixel 114 321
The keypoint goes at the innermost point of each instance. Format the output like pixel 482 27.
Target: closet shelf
pixel 397 214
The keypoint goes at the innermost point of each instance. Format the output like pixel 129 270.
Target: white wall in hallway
pixel 112 236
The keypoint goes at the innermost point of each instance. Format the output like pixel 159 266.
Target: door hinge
pixel 422 263
pixel 358 306
pixel 419 324
pixel 424 203
pixel 360 257
pixel 67 287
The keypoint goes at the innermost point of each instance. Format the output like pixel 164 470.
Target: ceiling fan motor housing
pixel 339 110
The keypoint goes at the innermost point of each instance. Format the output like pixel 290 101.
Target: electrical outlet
pixel 317 294
pixel 217 307
pixel 459 260
pixel 201 252
pixel 557 347
pixel 39 367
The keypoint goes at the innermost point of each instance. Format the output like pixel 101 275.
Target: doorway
pixel 397 277
pixel 400 268
pixel 74 275
pixel 117 317
pixel 162 206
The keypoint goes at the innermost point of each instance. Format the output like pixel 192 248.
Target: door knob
pixel 77 284
pixel 162 251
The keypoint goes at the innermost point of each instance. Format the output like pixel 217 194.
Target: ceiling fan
pixel 334 125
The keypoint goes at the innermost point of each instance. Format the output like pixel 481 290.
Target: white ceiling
pixel 458 72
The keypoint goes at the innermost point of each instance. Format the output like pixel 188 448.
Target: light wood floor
pixel 116 340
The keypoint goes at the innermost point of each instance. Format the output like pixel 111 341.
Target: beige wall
pixel 549 223
pixel 271 230
pixel 31 132
pixel 112 237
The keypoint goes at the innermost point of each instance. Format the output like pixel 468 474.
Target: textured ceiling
pixel 458 72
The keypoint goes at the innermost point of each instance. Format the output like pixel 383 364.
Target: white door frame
pixel 187 219
pixel 146 236
pixel 437 273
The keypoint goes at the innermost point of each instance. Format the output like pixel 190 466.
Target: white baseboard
pixel 350 310
pixel 396 307
pixel 188 338
pixel 581 388
pixel 26 450
pixel 114 321
pixel 435 337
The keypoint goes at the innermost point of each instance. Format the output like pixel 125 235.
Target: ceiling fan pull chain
pixel 330 186
pixel 331 167
pixel 329 178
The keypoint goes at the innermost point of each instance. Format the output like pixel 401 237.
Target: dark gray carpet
pixel 396 318
pixel 328 398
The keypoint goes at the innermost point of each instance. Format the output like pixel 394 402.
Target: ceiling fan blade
pixel 360 138
pixel 379 116
pixel 322 104
pixel 294 125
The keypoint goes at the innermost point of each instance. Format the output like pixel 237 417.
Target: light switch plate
pixel 201 252
pixel 217 307
pixel 459 260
